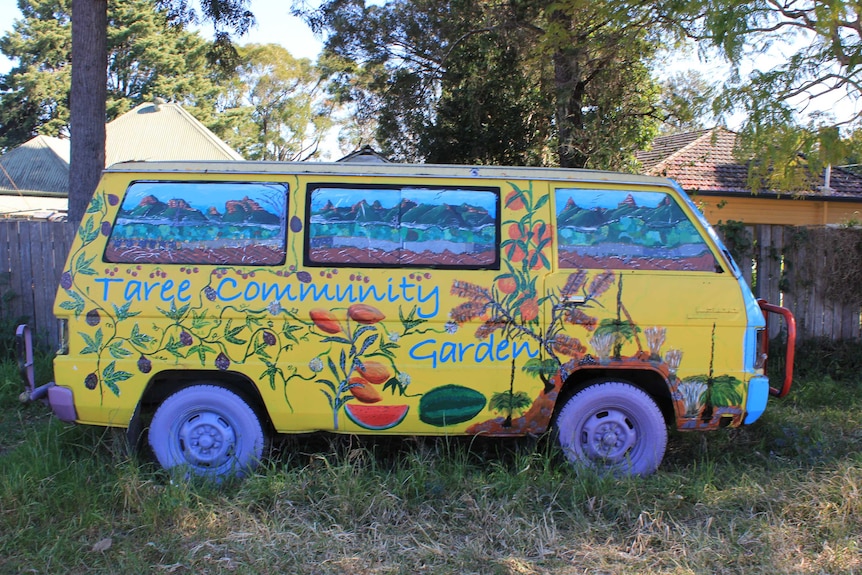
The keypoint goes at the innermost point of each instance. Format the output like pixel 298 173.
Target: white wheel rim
pixel 608 436
pixel 206 439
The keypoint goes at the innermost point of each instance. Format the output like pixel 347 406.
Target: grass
pixel 780 496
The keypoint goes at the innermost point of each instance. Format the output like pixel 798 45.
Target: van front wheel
pixel 613 426
pixel 208 431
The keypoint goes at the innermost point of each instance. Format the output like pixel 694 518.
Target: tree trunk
pixel 87 102
pixel 569 93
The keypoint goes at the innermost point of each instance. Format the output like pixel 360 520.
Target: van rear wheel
pixel 207 431
pixel 613 426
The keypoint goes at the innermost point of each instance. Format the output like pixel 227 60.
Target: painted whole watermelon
pixel 450 404
pixel 375 417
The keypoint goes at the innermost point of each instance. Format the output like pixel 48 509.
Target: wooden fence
pixel 814 272
pixel 817 273
pixel 32 257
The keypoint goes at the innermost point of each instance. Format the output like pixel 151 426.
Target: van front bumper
pixel 60 399
pixel 758 394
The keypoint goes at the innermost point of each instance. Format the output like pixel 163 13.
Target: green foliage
pixel 472 82
pixel 8 322
pixel 148 58
pixel 686 103
pixel 738 240
pixel 274 107
pixel 818 46
pixel 820 358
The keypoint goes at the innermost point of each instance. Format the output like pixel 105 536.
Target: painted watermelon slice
pixel 376 417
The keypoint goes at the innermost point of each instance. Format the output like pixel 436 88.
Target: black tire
pixel 613 426
pixel 207 431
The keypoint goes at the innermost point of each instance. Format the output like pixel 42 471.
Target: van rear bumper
pixel 60 399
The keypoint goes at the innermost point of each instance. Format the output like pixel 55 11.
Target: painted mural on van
pixel 427 307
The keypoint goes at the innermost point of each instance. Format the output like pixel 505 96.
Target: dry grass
pixel 782 496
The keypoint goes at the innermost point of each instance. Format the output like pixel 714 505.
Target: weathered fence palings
pixel 32 256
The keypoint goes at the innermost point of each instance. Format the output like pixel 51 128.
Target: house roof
pixel 34 177
pixel 38 165
pixel 365 155
pixel 162 131
pixel 703 162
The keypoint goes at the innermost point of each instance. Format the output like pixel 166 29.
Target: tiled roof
pixel 665 146
pixel 703 162
pixel 162 132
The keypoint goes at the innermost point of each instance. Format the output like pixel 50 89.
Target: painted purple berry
pixel 295 224
pixel 66 280
pixel 93 317
pixel 222 362
pixel 268 338
pixel 113 199
pixel 144 365
pixel 106 229
pixel 186 338
pixel 91 381
pixel 210 293
pixel 304 277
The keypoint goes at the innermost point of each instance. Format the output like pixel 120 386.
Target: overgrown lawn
pixel 780 496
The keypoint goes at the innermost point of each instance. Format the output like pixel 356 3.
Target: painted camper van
pixel 209 306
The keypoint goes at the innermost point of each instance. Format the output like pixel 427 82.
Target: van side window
pixel 240 223
pixel 384 226
pixel 618 229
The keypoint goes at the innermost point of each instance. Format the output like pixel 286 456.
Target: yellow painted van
pixel 216 304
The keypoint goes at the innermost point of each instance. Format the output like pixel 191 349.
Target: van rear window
pixel 404 226
pixel 618 229
pixel 240 223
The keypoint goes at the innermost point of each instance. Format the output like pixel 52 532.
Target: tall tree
pixel 87 102
pixel 89 80
pixel 588 60
pixel 817 47
pixel 282 101
pixel 147 58
pixel 687 102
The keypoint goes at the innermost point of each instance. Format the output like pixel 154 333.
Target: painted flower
pixel 394 336
pixel 403 379
pixel 274 308
pixel 451 327
pixel 315 365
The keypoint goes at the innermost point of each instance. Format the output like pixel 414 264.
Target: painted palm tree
pixel 622 330
pixel 510 403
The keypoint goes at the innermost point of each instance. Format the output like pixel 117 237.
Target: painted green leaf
pixel 111 377
pixel 84 266
pixel 122 312
pixel 92 344
pixel 139 339
pixel 117 350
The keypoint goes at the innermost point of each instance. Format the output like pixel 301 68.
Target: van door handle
pixel 574 300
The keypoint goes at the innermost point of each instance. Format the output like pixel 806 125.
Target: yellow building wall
pixel 782 211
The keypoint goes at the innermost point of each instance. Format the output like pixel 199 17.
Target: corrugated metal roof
pixel 40 164
pixel 162 132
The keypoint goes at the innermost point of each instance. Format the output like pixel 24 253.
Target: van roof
pixel 406 170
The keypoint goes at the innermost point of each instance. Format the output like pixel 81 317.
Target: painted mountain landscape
pixel 425 227
pixel 613 230
pixel 172 230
